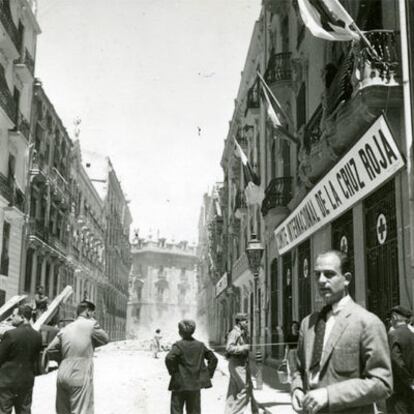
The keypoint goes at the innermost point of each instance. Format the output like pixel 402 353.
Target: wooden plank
pixel 53 307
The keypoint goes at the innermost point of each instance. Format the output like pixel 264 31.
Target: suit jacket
pixel 401 342
pixel 19 353
pixel 185 364
pixel 76 343
pixel 355 365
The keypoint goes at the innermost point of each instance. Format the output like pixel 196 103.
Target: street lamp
pixel 254 252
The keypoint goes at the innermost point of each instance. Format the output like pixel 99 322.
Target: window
pixel 11 169
pixel 4 264
pixel 27 277
pixel 2 297
pixel 301 106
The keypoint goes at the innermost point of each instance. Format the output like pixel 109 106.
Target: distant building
pixel 211 275
pixel 18 34
pixel 163 286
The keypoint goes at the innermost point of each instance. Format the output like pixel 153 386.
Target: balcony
pixel 24 66
pixel 11 193
pixel 22 128
pixel 279 69
pixel 357 92
pixel 10 38
pixel 277 196
pixel 37 228
pixel 7 103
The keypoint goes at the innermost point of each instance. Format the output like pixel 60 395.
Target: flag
pixel 275 112
pixel 327 19
pixel 253 192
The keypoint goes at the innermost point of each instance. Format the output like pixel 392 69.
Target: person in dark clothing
pixel 401 340
pixel 292 339
pixel 19 353
pixel 189 373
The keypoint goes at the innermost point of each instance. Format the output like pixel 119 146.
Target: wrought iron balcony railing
pixel 39 229
pixel 387 65
pixel 359 68
pixel 278 68
pixel 6 99
pixel 7 21
pixel 277 194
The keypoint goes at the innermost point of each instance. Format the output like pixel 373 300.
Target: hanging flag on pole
pixel 253 192
pixel 275 112
pixel 327 19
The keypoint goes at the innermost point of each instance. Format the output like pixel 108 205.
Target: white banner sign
pixel 221 284
pixel 371 161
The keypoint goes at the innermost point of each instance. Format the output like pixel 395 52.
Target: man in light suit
pixel 343 362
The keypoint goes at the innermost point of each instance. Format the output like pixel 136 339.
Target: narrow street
pixel 130 381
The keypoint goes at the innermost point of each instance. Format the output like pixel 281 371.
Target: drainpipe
pixel 408 121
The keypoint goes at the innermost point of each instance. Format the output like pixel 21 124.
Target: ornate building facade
pixel 47 236
pixel 331 187
pixel 18 34
pixel 163 286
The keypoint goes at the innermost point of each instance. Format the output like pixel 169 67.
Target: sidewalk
pixel 274 397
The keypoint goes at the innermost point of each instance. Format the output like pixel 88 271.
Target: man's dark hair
pixel 186 328
pixel 91 306
pixel 82 307
pixel 344 262
pixel 157 330
pixel 25 311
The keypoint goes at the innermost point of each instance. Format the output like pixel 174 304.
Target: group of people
pixel 20 351
pixel 345 361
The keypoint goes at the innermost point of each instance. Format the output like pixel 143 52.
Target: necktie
pixel 319 337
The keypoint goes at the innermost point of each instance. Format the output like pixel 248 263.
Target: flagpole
pixel 274 97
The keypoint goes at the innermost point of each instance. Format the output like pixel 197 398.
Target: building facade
pixel 210 269
pixel 87 229
pixel 47 239
pixel 345 181
pixel 74 218
pixel 18 34
pixel 163 287
pixel 112 293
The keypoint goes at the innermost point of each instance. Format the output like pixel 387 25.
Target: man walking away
pixel 76 341
pixel 343 362
pixel 240 391
pixel 19 354
pixel 189 373
pixel 401 340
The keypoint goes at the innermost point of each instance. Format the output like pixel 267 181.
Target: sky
pixel 154 83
